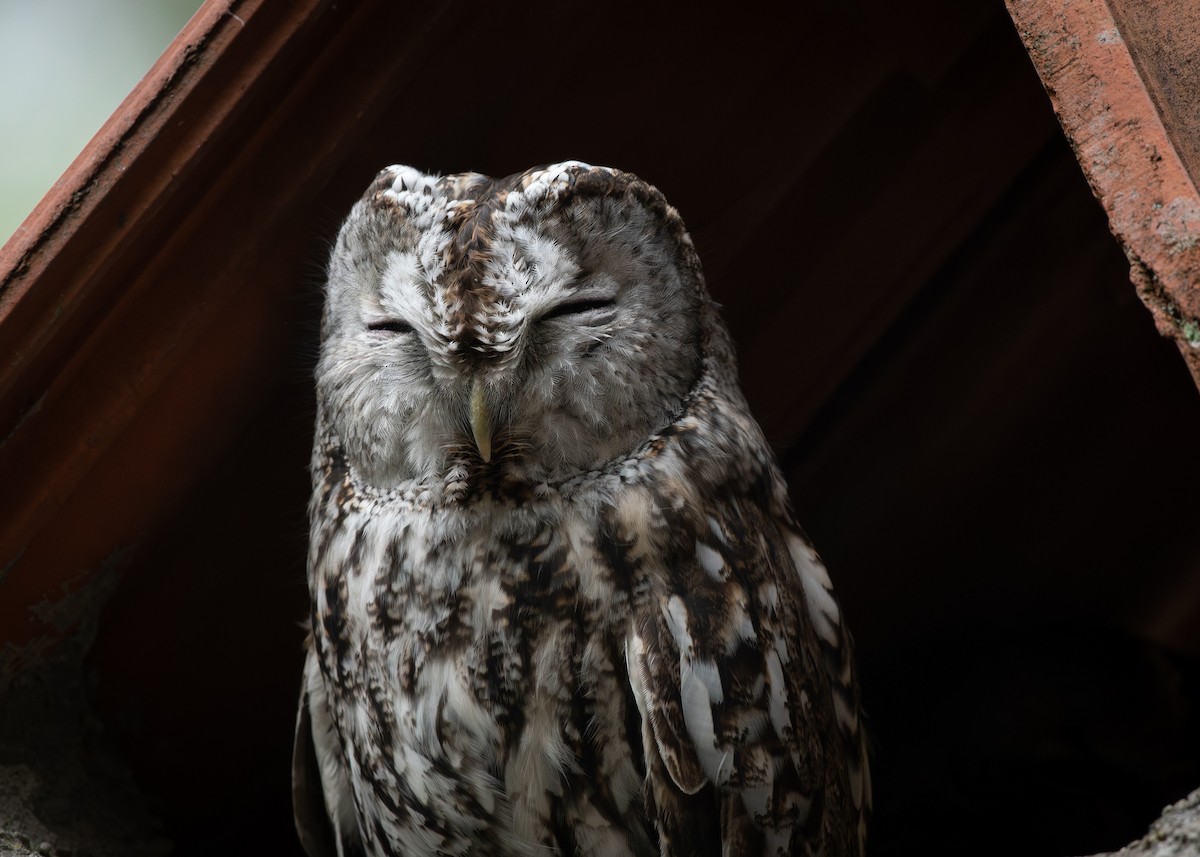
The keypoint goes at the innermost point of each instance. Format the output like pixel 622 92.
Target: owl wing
pixel 321 801
pixel 743 675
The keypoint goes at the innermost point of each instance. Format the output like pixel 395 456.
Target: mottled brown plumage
pixel 560 602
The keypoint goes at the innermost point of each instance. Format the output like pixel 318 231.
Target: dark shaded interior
pixel 984 434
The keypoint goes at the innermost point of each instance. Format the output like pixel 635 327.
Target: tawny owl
pixel 560 604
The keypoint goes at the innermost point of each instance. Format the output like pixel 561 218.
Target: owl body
pixel 559 601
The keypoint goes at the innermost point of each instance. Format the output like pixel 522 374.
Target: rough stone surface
pixel 64 792
pixel 1175 834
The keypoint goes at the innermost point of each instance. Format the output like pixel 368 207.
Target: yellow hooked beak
pixel 480 423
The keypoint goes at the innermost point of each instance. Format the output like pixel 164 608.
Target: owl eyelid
pixel 579 306
pixel 391 325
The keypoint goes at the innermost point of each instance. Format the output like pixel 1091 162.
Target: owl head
pixel 538 325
